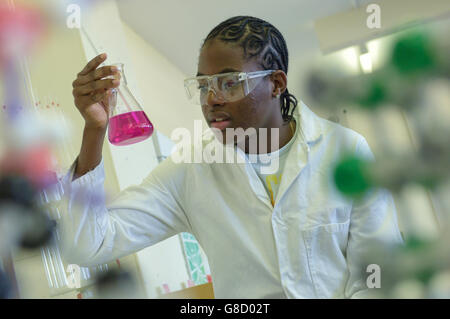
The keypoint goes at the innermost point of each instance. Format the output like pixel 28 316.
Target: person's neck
pixel 280 137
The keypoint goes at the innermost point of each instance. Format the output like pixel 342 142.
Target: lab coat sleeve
pixel 141 215
pixel 373 224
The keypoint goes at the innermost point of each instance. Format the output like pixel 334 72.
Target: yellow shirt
pixel 272 180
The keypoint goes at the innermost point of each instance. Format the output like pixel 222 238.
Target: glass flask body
pixel 128 123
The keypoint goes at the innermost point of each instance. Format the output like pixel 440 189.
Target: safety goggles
pixel 227 87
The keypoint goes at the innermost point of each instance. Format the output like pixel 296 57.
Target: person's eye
pixel 230 84
pixel 202 87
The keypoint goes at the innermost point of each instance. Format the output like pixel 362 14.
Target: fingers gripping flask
pixel 128 124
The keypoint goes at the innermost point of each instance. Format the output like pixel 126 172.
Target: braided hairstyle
pixel 260 40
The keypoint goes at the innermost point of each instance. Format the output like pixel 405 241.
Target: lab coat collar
pixel 309 133
pixel 310 123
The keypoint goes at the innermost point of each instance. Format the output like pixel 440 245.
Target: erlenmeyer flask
pixel 128 124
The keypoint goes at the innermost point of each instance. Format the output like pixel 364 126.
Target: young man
pixel 278 233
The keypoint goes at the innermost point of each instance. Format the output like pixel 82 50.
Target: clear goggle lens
pixel 228 87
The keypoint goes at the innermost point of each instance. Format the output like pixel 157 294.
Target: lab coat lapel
pixel 309 133
pixel 253 179
pixel 241 162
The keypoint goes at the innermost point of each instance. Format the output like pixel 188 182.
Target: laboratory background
pixel 381 68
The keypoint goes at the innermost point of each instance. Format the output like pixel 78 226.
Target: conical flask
pixel 128 124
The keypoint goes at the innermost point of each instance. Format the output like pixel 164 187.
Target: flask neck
pixel 120 68
pixel 122 100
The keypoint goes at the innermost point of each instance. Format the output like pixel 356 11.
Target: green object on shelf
pixel 416 246
pixel 429 182
pixel 425 275
pixel 375 95
pixel 350 178
pixel 413 53
pixel 413 243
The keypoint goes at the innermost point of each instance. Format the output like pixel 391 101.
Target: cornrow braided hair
pixel 260 40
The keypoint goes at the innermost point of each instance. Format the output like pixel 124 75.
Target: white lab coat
pixel 308 246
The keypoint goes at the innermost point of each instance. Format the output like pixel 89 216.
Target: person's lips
pixel 219 120
pixel 221 125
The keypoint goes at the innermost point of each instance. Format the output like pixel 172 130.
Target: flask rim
pixel 120 67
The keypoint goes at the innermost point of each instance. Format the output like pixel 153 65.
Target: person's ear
pixel 279 80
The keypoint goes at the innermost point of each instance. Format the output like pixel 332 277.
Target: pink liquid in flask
pixel 129 128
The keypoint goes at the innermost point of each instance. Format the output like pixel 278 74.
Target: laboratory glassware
pixel 128 123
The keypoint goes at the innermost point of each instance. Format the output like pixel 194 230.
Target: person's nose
pixel 213 99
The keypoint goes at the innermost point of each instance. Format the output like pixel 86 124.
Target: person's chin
pixel 221 135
